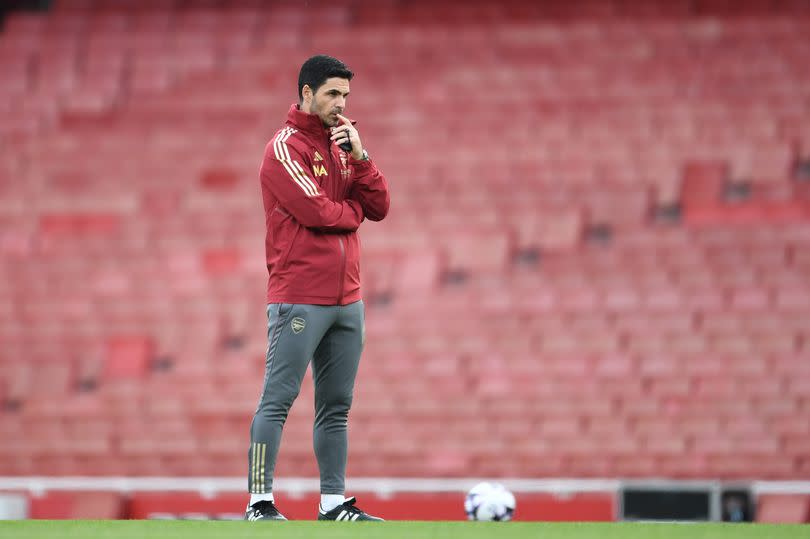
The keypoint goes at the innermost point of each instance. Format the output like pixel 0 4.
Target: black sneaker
pixel 347 511
pixel 263 510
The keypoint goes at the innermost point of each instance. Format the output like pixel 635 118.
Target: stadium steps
pixel 529 290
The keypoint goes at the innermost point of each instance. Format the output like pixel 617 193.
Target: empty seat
pixel 128 357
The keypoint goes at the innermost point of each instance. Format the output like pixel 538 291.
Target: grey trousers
pixel 332 338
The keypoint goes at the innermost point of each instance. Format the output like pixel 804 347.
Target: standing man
pixel 318 184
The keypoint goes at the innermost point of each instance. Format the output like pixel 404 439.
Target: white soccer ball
pixel 489 501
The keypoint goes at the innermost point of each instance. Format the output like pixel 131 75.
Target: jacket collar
pixel 308 123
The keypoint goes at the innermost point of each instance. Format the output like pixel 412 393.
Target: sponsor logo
pixel 318 156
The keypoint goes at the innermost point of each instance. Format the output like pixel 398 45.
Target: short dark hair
pixel 317 69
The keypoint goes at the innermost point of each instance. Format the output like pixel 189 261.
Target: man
pixel 315 196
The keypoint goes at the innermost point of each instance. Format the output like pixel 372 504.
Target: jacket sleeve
pixel 370 189
pixel 284 176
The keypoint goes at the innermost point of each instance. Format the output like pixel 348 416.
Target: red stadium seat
pixel 128 357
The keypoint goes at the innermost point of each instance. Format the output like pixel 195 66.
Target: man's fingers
pixel 342 134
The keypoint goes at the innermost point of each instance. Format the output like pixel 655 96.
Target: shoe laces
pixel 350 506
pixel 263 506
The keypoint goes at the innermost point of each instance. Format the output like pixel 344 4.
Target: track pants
pixel 332 338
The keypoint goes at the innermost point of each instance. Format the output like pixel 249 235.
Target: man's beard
pixel 325 118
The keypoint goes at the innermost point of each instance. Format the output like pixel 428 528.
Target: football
pixel 489 501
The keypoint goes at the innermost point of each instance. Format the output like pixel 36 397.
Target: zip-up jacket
pixel 315 197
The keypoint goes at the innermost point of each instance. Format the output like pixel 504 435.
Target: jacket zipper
pixel 342 275
pixel 342 270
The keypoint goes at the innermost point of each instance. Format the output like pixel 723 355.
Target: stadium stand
pixel 596 264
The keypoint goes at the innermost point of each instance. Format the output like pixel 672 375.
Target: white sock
pixel 330 501
pixel 259 497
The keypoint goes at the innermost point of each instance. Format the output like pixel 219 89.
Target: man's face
pixel 330 100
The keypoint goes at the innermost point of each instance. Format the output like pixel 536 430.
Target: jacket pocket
pixel 282 261
pixel 285 228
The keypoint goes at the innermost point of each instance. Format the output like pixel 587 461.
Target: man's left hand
pixel 347 132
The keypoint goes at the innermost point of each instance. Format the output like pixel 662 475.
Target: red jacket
pixel 315 197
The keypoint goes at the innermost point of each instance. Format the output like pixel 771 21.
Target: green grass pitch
pixel 389 530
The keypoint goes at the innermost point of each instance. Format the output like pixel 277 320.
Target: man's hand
pixel 347 132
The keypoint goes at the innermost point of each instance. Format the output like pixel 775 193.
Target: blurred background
pixel 593 284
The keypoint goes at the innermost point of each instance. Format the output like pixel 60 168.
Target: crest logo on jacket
pixel 345 171
pixel 319 170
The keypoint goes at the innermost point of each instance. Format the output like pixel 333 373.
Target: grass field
pixel 389 530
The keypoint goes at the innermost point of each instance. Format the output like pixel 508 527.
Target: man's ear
pixel 306 93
